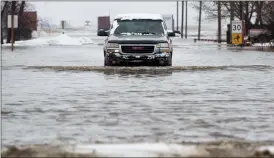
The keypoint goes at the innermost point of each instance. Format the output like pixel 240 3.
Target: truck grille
pixel 137 49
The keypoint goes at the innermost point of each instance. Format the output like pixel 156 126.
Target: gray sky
pixel 77 12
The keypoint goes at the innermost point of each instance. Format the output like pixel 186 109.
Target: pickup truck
pixel 259 35
pixel 138 38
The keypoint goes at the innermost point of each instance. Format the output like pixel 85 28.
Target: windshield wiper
pixel 123 33
pixel 148 33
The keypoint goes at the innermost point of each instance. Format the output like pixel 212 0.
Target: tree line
pixel 261 11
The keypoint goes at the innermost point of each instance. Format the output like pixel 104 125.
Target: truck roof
pixel 131 16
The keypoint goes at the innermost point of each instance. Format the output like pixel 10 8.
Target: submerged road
pixel 215 93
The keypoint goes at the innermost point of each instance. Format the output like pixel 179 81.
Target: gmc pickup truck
pixel 259 35
pixel 138 38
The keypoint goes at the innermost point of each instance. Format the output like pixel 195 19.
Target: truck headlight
pixel 162 45
pixel 112 45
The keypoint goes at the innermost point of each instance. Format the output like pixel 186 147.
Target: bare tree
pixel 268 16
pixel 17 7
pixel 210 9
pixel 4 12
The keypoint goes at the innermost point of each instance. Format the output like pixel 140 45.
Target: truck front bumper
pixel 118 58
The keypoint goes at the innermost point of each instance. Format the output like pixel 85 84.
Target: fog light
pixel 118 54
pixel 163 54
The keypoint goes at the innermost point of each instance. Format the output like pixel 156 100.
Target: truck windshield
pixel 143 27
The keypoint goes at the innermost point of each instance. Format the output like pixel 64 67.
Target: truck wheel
pixel 105 62
pixel 169 61
pixel 110 63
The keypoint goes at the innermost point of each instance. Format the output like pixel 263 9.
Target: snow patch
pixel 262 44
pixel 85 40
pixel 37 34
pixel 34 34
pixel 43 34
pixel 59 40
pixel 64 40
pixel 132 16
pixel 114 27
pixel 139 150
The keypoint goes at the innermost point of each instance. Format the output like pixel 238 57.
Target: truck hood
pixel 137 39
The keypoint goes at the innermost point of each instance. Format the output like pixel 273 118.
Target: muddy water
pixel 227 95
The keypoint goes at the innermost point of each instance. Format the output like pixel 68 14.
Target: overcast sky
pixel 76 13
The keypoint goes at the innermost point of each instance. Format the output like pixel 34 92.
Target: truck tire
pixel 105 62
pixel 169 61
pixel 109 63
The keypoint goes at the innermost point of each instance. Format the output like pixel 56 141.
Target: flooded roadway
pixel 43 106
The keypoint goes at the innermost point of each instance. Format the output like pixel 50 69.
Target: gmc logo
pixel 137 48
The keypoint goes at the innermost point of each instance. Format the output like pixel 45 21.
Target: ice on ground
pixel 58 40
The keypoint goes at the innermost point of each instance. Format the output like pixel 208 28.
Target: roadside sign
pixel 237 26
pixel 12 24
pixel 237 32
pixel 15 21
pixel 237 38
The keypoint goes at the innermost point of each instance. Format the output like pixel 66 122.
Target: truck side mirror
pixel 102 33
pixel 171 34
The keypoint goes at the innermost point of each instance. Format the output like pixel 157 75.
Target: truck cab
pixel 138 38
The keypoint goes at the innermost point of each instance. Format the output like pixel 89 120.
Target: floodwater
pixel 189 105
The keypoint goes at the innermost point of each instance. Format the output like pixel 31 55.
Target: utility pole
pixel 246 15
pixel 246 23
pixel 63 26
pixel 219 22
pixel 12 29
pixel 242 17
pixel 177 28
pixel 200 14
pixel 241 10
pixel 231 18
pixel 186 22
pixel 13 7
pixel 182 22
